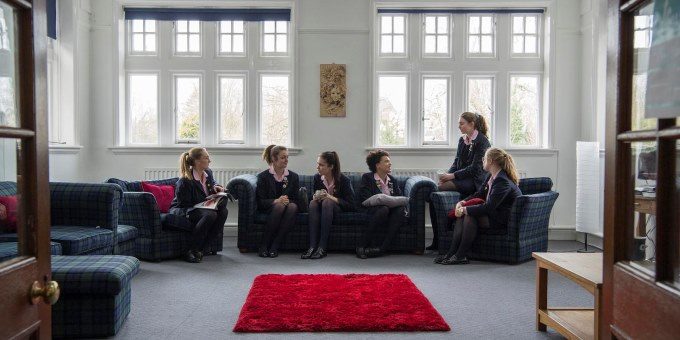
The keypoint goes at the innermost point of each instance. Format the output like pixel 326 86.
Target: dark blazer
pixel 343 191
pixel 468 162
pixel 266 189
pixel 189 192
pixel 369 188
pixel 497 207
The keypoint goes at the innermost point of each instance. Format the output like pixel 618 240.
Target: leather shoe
pixel 262 252
pixel 439 258
pixel 273 253
pixel 373 252
pixel 319 254
pixel 198 255
pixel 189 257
pixel 307 254
pixel 455 260
pixel 361 253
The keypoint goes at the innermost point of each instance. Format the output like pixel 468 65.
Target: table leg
pixel 541 294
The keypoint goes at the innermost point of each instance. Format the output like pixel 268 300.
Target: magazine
pixel 213 200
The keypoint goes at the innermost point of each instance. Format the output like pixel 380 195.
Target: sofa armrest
pixel 140 210
pixel 85 204
pixel 442 202
pixel 530 215
pixel 243 188
pixel 418 190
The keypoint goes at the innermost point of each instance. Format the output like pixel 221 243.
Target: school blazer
pixel 499 203
pixel 343 191
pixel 472 166
pixel 370 188
pixel 266 189
pixel 189 192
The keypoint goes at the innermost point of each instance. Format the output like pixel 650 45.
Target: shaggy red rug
pixel 337 303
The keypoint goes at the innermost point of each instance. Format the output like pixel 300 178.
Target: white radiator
pixel 222 176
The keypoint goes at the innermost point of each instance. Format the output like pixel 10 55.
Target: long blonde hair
pixel 505 161
pixel 272 152
pixel 186 161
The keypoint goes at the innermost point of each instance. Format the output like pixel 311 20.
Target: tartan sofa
pixel 95 294
pixel 347 227
pixel 527 231
pixel 84 218
pixel 161 235
pixel 9 250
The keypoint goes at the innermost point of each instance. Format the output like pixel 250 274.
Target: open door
pixel 641 281
pixel 27 290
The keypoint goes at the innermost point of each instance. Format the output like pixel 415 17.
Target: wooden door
pixel 23 138
pixel 641 281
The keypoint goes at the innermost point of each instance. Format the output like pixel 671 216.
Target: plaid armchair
pixel 347 227
pixel 527 231
pixel 84 218
pixel 161 235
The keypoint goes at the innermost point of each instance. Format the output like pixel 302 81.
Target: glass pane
pixel 480 98
pixel 399 25
pixel 9 196
pixel 138 42
pixel 487 44
pixel 182 26
pixel 188 106
pixel 398 44
pixel 275 114
pixel 517 44
pixel 430 25
pixel 487 25
pixel 435 109
pixel 639 90
pixel 430 44
pixel 443 44
pixel 225 26
pixel 150 42
pixel 150 25
pixel 531 25
pixel 442 25
pixel 9 108
pixel 386 44
pixel 225 43
pixel 194 26
pixel 282 27
pixel 524 110
pixel 474 25
pixel 238 26
pixel 386 24
pixel 137 25
pixel 281 43
pixel 530 44
pixel 143 106
pixel 517 24
pixel 392 96
pixel 231 109
pixel 181 44
pixel 642 244
pixel 194 43
pixel 269 43
pixel 473 44
pixel 238 43
pixel 269 27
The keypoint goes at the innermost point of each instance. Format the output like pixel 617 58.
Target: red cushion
pixel 473 201
pixel 8 213
pixel 163 194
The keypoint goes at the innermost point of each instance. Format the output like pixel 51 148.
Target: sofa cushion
pixel 9 250
pixel 350 218
pixel 163 194
pixel 75 240
pixel 94 274
pixel 137 185
pixel 125 233
pixel 8 213
pixel 176 222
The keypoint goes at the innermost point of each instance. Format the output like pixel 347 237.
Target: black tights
pixel 209 225
pixel 320 220
pixel 464 233
pixel 280 221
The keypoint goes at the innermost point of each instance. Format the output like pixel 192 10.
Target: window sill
pixel 176 150
pixel 448 151
pixel 65 149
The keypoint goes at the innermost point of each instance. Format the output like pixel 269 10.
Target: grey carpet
pixel 481 300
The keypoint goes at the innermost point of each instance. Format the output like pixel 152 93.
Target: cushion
pixel 386 200
pixel 8 213
pixel 9 250
pixel 163 194
pixel 94 274
pixel 125 233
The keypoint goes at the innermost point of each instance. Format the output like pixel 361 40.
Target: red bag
pixel 475 201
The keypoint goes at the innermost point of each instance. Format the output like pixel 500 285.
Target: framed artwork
pixel 333 90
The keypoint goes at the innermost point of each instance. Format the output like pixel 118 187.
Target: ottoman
pixel 95 294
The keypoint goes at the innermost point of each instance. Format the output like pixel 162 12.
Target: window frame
pixel 128 115
pixel 175 75
pixel 188 53
pixel 380 34
pixel 449 102
pixel 218 133
pixel 129 38
pixel 262 35
pixel 539 119
pixel 376 106
pixel 449 35
pixel 494 36
pixel 539 29
pixel 218 43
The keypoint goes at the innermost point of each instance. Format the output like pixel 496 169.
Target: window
pixel 481 35
pixel 187 37
pixel 232 38
pixel 435 110
pixel 231 106
pixel 525 35
pixel 143 37
pixel 524 109
pixel 392 106
pixel 143 108
pixel 187 109
pixel 4 32
pixel 436 35
pixel 393 34
pixel 642 37
pixel 481 98
pixel 275 109
pixel 275 37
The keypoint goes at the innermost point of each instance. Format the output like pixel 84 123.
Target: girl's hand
pixel 219 188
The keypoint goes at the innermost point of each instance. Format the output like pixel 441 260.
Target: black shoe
pixel 273 253
pixel 454 260
pixel 307 254
pixel 198 255
pixel 189 257
pixel 262 252
pixel 439 258
pixel 319 254
pixel 373 252
pixel 361 253
pixel 433 246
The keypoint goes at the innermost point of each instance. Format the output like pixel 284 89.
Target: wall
pixel 328 32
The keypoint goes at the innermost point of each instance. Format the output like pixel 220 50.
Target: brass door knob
pixel 49 293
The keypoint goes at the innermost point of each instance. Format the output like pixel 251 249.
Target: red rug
pixel 337 303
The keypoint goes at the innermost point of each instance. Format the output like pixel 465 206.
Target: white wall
pixel 328 32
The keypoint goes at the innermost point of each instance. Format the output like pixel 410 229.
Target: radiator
pixel 222 176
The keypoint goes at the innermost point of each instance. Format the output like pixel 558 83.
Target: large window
pixel 487 63
pixel 237 91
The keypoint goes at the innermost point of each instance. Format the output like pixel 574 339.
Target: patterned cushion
pixel 93 274
pixel 77 240
pixel 126 233
pixel 136 186
pixel 176 222
pixel 9 250
pixel 8 188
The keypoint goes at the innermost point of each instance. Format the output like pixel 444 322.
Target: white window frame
pixel 449 104
pixel 159 100
pixel 218 97
pixel 539 121
pixel 129 38
pixel 537 35
pixel 494 36
pixel 276 33
pixel 188 53
pixel 376 106
pixel 272 73
pixel 449 35
pixel 380 34
pixel 494 100
pixel 175 122
pixel 219 34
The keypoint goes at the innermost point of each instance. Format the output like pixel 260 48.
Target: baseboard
pixel 562 233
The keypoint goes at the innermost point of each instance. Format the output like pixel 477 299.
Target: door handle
pixel 49 293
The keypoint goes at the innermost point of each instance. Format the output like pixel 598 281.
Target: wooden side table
pixel 582 268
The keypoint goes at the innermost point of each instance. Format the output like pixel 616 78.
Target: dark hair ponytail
pixel 479 121
pixel 272 152
pixel 332 159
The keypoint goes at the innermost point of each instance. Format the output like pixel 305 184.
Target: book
pixel 213 200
